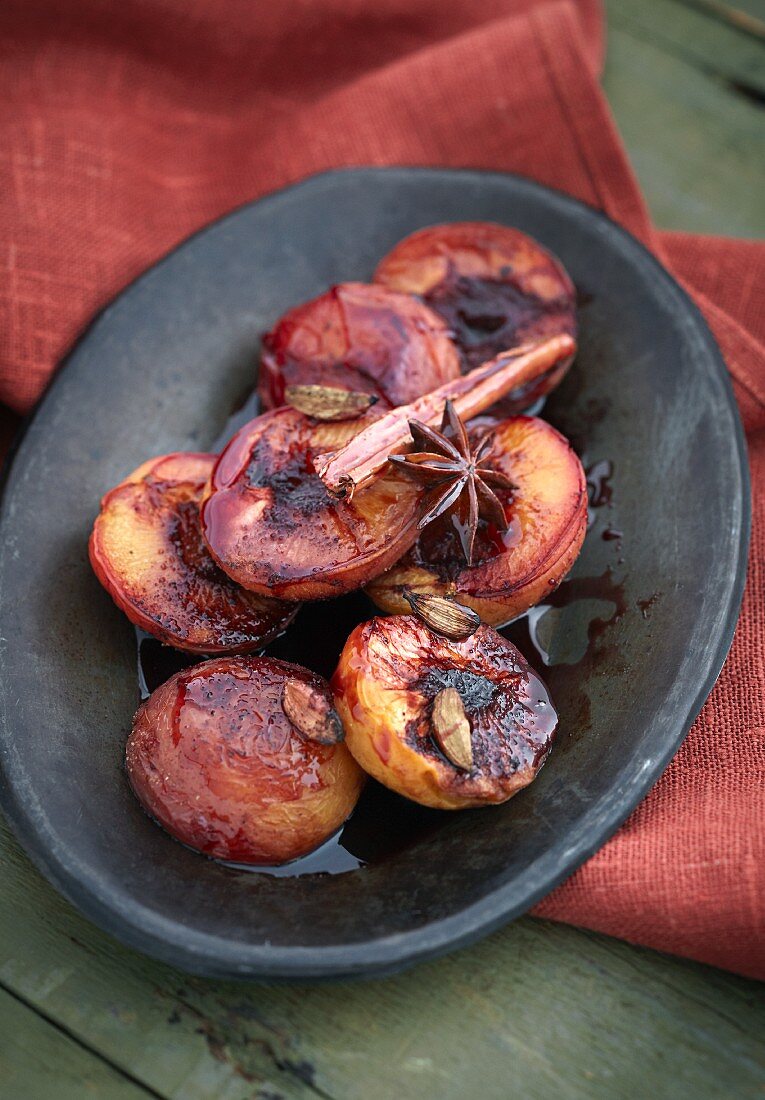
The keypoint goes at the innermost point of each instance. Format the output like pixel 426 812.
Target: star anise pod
pixel 465 482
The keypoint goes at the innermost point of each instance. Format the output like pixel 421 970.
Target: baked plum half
pixel 271 524
pixel 514 569
pixel 449 724
pixel 148 552
pixel 495 288
pixel 215 759
pixel 358 337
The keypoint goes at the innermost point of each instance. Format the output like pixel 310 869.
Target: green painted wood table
pixel 537 1010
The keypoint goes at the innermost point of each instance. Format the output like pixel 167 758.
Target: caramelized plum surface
pixel 385 686
pixel 214 759
pixel 495 288
pixel 148 552
pixel 359 337
pixel 512 570
pixel 271 524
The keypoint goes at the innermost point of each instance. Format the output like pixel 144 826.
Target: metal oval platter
pixel 632 643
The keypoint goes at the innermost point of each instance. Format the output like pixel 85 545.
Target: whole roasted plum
pixel 241 758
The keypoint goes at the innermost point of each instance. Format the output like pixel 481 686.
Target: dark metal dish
pixel 633 641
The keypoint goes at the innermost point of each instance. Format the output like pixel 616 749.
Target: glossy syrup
pixel 488 315
pixel 383 823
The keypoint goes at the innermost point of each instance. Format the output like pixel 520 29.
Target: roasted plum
pixel 358 337
pixel 278 527
pixel 495 288
pixel 449 724
pixel 215 759
pixel 148 552
pixel 274 528
pixel 513 569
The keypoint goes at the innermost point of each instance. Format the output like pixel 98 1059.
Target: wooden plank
pixel 695 144
pixel 38 1061
pixel 745 15
pixel 697 37
pixel 120 1003
pixel 544 1008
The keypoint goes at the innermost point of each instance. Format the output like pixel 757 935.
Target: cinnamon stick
pixel 353 465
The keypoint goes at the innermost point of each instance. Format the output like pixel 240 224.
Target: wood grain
pixel 695 140
pixel 37 1060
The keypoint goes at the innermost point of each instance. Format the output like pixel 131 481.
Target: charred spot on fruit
pixel 488 316
pixel 311 713
pixel 294 486
pixel 476 692
pixel 148 550
pixel 438 548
